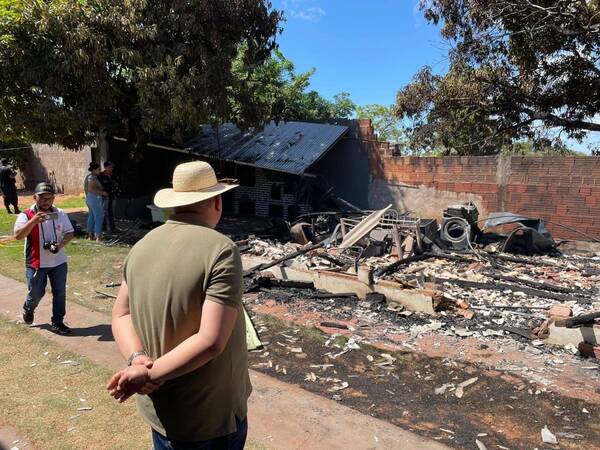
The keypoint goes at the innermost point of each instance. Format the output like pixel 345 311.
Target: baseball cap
pixel 44 188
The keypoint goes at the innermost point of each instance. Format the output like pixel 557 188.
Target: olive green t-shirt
pixel 170 273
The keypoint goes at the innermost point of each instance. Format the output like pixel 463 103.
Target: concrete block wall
pixel 560 189
pixel 260 193
pixel 65 169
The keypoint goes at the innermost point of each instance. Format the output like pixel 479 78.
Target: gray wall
pixel 346 168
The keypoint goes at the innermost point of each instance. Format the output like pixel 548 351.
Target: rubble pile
pixel 474 289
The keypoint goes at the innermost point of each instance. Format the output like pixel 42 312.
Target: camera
pixel 51 246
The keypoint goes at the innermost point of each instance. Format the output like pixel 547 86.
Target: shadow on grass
pixel 103 331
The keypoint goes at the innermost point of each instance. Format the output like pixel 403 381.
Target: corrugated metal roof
pixel 288 146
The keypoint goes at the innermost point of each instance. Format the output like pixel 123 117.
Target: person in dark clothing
pixel 8 187
pixel 108 183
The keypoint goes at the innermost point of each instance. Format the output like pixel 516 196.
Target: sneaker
pixel 27 317
pixel 61 328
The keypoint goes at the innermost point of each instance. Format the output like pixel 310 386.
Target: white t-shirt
pixel 35 254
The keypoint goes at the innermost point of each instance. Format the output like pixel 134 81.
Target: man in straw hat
pixel 178 319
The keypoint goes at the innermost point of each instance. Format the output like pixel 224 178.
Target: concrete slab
pixel 564 336
pixel 281 416
pixel 336 283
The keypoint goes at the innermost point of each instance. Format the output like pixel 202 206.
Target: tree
pixel 342 106
pixel 386 124
pixel 276 91
pixel 70 68
pixel 516 69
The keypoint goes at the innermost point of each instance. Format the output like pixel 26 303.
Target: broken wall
pixel 65 169
pixel 559 189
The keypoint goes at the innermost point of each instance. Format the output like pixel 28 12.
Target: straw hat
pixel 193 182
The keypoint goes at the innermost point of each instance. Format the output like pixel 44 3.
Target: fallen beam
pixel 328 295
pixel 394 267
pixel 331 259
pixel 265 266
pixel 584 319
pixel 516 259
pixel 106 294
pixel 341 283
pixel 535 284
pixel 497 286
pixel 341 326
pixel 520 332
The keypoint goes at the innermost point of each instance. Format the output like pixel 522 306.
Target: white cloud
pixel 301 9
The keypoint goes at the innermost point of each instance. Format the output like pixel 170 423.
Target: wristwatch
pixel 135 355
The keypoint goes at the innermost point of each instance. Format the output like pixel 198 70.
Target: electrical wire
pixel 13 148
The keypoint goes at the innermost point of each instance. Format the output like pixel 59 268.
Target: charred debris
pixel 495 277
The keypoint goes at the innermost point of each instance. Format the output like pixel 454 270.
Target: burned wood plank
pixel 326 295
pixel 498 286
pixel 583 319
pixel 105 294
pixel 391 268
pixel 274 283
pixel 332 259
pixel 265 266
pixel 516 259
pixel 520 332
pixel 535 284
pixel 341 326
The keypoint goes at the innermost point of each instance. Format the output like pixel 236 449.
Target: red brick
pixel 463 187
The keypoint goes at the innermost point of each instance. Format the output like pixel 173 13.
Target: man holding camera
pixel 46 230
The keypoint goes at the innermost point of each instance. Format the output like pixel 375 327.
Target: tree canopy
pixel 70 68
pixel 518 70
pixel 385 123
pixel 274 90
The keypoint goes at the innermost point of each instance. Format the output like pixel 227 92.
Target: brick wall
pixel 65 169
pixel 564 190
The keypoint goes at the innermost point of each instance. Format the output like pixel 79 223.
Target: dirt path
pixel 282 415
pixel 11 439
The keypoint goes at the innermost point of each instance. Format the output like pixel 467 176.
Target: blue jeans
pixel 36 283
pixel 95 206
pixel 233 441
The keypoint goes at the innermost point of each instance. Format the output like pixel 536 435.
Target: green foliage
pixel 19 154
pixel 518 68
pixel 386 124
pixel 543 146
pixel 342 106
pixel 274 90
pixel 71 68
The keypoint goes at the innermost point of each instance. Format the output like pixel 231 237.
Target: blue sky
pixel 367 48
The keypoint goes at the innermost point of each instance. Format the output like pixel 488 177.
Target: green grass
pixel 42 401
pixel 6 223
pixel 73 202
pixel 91 266
pixel 34 399
pixel 40 394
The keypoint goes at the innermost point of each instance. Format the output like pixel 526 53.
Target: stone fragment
pixel 548 437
